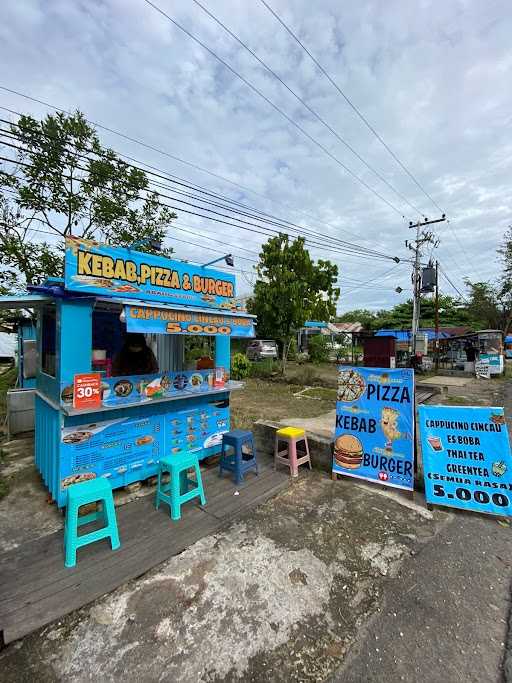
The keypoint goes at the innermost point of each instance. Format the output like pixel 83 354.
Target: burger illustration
pixel 66 394
pixel 348 452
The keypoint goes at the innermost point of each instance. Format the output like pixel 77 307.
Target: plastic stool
pixel 177 491
pixel 292 436
pixel 237 462
pixel 83 493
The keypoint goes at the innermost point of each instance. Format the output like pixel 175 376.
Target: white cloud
pixel 433 78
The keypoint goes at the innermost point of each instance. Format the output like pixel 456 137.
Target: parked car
pixel 262 348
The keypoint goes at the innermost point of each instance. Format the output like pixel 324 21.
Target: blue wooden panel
pixel 222 352
pixel 47 443
pixel 74 337
pixel 125 445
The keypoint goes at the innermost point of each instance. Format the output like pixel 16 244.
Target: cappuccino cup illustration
pixel 435 443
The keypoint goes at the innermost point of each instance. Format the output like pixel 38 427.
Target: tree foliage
pixel 318 348
pixel 291 288
pixel 451 314
pixel 488 305
pixel 63 181
pixel 491 302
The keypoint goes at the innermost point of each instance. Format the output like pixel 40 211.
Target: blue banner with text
pixel 124 273
pixel 466 458
pixel 374 436
pixel 149 320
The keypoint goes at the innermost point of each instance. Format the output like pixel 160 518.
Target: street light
pixel 147 241
pixel 228 258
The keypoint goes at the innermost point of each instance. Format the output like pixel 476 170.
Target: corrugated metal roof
pixel 348 327
pixel 405 335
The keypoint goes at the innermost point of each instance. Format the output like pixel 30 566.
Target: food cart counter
pixel 92 422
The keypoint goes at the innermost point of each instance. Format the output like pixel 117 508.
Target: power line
pixel 443 273
pixel 307 106
pixel 345 248
pixel 461 246
pixel 181 227
pixel 171 156
pixel 273 220
pixel 351 104
pixel 372 281
pixel 61 237
pixel 274 106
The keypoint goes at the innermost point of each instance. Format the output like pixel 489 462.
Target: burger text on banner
pixel 87 390
pixel 374 435
pixel 466 458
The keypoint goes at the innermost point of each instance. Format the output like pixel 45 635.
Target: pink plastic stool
pixel 292 436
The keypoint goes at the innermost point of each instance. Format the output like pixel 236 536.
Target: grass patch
pixel 320 393
pixel 459 401
pixel 274 401
pixel 7 381
pixel 265 368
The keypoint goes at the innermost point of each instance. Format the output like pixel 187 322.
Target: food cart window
pixel 29 358
pixel 48 340
pixel 136 357
pixel 491 343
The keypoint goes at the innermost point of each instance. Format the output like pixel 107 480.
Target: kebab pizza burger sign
pixel 374 436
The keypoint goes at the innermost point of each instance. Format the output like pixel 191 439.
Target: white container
pixel 99 354
pixel 20 411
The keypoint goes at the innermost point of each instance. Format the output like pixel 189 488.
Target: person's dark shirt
pixel 470 353
pixel 128 362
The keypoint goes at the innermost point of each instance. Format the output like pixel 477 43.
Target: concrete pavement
pixel 445 618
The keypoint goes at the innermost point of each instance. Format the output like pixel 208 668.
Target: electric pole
pixel 422 237
pixel 436 341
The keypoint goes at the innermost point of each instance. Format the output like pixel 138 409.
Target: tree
pixel 504 289
pixel 451 314
pixel 291 288
pixel 62 181
pixel 487 306
pixel 368 319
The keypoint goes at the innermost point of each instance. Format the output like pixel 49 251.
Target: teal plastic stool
pixel 92 491
pixel 177 491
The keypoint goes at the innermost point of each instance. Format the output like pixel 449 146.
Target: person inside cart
pixel 470 351
pixel 135 358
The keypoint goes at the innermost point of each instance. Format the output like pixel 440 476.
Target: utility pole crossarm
pixel 416 245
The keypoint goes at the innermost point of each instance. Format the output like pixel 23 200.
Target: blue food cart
pixel 90 423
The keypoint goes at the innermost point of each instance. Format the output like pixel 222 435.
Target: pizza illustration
pixel 351 385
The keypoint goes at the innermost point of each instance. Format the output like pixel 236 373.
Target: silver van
pixel 262 348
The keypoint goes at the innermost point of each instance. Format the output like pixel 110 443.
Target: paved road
pixel 445 618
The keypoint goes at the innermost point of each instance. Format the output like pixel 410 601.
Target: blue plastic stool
pixel 237 462
pixel 83 493
pixel 177 491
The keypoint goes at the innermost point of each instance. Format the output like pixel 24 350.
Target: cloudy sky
pixel 432 77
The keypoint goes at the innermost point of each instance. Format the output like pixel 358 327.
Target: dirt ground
pixel 328 581
pixel 279 595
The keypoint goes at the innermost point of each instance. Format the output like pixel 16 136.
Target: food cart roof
pixel 44 294
pixel 24 301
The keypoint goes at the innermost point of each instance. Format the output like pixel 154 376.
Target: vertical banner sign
pixel 466 458
pixel 87 390
pixel 374 436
